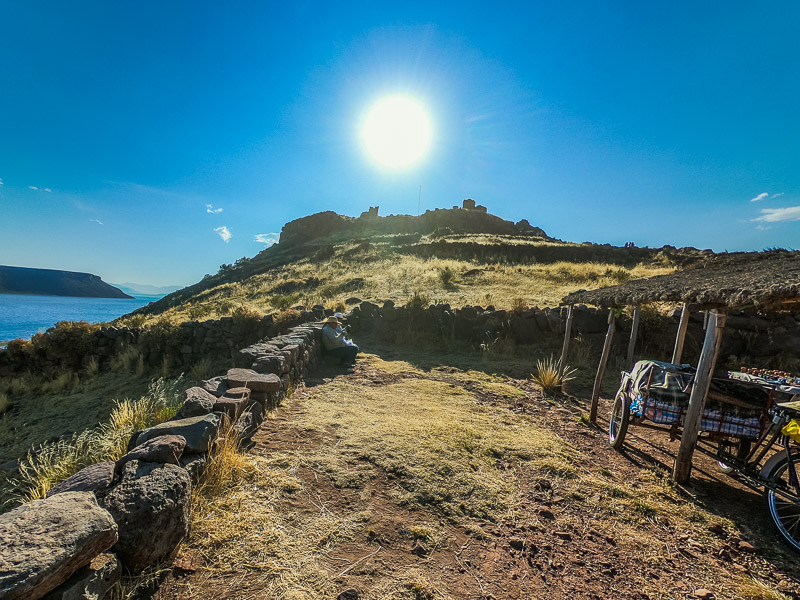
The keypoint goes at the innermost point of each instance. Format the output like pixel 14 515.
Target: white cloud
pixel 33 187
pixel 224 233
pixel 214 211
pixel 775 215
pixel 765 195
pixel 98 221
pixel 267 238
pixel 47 190
pixel 1 181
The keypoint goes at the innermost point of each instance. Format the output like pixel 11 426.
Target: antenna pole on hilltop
pixel 419 199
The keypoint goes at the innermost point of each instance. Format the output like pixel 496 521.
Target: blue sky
pixel 153 141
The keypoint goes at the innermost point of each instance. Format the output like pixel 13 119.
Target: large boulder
pixel 274 363
pixel 89 479
pixel 257 382
pixel 91 582
pixel 44 542
pixel 164 449
pixel 150 505
pixel 198 432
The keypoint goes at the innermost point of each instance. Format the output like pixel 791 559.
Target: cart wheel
pixel 785 509
pixel 618 423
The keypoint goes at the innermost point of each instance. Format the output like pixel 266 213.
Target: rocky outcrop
pixel 150 505
pixel 44 542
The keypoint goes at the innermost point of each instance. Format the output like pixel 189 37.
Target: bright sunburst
pixel 396 132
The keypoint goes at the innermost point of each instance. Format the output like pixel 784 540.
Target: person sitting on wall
pixel 335 342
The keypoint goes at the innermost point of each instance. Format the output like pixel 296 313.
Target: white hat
pixel 339 316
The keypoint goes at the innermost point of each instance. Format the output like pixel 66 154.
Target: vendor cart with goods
pixel 750 425
pixel 748 419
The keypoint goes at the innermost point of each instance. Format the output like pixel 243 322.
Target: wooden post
pixel 567 336
pixel 697 400
pixel 705 320
pixel 676 354
pixel 601 368
pixel 637 311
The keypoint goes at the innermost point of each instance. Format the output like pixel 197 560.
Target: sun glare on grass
pixel 396 132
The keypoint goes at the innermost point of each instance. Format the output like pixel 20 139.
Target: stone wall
pixel 770 340
pixel 134 512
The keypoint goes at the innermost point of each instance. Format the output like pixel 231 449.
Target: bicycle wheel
pixel 618 423
pixel 785 509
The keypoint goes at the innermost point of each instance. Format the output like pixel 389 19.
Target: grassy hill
pixel 458 265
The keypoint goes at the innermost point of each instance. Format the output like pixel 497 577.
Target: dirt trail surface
pixel 402 480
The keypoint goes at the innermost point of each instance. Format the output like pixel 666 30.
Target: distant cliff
pixel 49 282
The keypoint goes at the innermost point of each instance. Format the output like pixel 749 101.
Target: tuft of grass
pixel 201 369
pixel 446 276
pixel 92 368
pixel 64 381
pixel 53 462
pixel 5 403
pixel 125 361
pixel 550 376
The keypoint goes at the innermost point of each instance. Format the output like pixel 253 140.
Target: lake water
pixel 22 315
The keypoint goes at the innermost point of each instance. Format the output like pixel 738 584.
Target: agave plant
pixel 550 376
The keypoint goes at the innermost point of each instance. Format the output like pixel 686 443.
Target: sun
pixel 396 132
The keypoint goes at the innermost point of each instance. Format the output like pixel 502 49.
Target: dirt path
pixel 499 493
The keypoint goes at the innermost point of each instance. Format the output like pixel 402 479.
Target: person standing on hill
pixel 335 342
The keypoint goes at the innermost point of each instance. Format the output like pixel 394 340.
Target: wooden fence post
pixel 567 336
pixel 601 368
pixel 697 399
pixel 637 311
pixel 676 354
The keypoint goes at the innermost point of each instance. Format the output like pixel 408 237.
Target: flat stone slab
pixel 44 542
pixel 215 386
pixel 258 382
pixel 164 449
pixel 89 479
pixel 198 432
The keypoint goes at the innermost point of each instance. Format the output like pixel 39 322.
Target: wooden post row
pixel 676 354
pixel 601 368
pixel 697 399
pixel 637 311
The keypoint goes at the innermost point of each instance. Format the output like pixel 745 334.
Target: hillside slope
pixel 51 282
pixel 459 256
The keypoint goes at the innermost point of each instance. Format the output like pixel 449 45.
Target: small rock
pixel 546 513
pixel 190 561
pixel 716 528
pixel 745 546
pixel 704 594
pixel 517 543
pixel 419 549
pixel 348 594
pixel 91 581
pixel 564 535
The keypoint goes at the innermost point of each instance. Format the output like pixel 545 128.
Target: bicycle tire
pixel 785 513
pixel 618 422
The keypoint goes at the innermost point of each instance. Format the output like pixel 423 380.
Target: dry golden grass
pixel 439 442
pixel 388 275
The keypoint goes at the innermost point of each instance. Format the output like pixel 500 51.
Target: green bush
pixel 446 276
pixel 283 301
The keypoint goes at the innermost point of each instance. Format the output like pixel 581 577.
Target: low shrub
pixel 446 276
pixel 283 301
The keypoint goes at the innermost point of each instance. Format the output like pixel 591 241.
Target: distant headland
pixel 50 282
